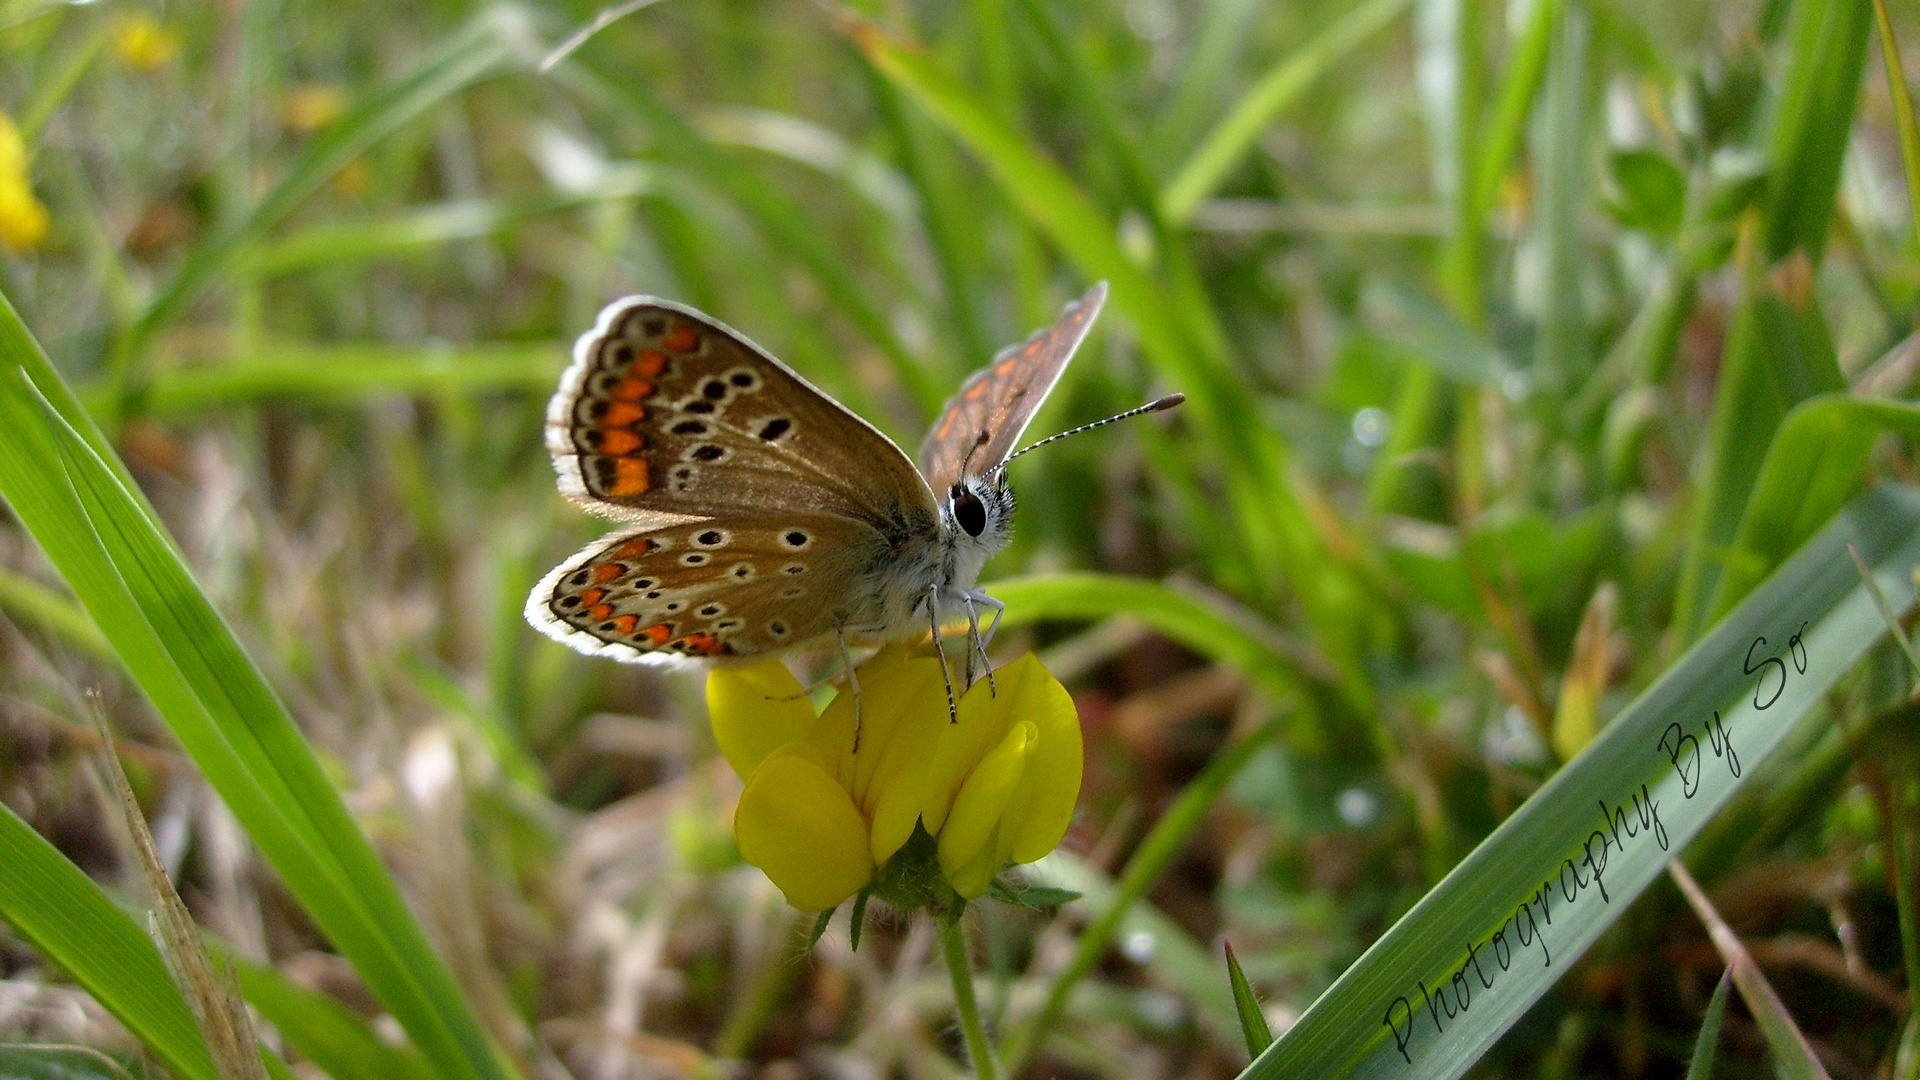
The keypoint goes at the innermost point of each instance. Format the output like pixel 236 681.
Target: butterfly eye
pixel 968 512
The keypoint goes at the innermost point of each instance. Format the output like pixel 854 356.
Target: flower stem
pixel 953 943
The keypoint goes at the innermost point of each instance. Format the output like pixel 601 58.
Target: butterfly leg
pixel 853 683
pixel 976 646
pixel 939 650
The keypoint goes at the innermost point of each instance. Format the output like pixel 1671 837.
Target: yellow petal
pixel 23 221
pixel 903 711
pixel 972 878
pixel 982 723
pixel 1041 808
pixel 797 824
pixel 983 798
pixel 755 709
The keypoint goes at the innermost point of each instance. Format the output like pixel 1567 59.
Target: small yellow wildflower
pixel 23 221
pixel 822 820
pixel 312 106
pixel 142 44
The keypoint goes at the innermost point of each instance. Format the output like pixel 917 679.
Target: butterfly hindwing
pixel 668 415
pixel 717 588
pixel 979 426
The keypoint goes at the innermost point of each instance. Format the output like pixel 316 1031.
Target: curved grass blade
pixel 28 601
pixel 68 920
pixel 1705 1046
pixel 1516 913
pixel 1815 464
pixel 1207 625
pixel 133 582
pixel 1280 87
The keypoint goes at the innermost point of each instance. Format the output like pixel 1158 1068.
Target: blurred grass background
pixel 1489 316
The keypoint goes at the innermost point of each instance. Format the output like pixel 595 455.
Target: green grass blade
pixel 485 47
pixel 1562 166
pixel 1208 625
pixel 1700 1066
pixel 64 915
pixel 1816 463
pixel 341 373
pixel 1778 354
pixel 134 583
pixel 325 1031
pixel 1225 27
pixel 1253 1022
pixel 1812 118
pixel 1376 1020
pixel 1280 87
pixel 1792 1056
pixel 1902 109
pixel 27 601
pixel 349 243
pixel 30 1062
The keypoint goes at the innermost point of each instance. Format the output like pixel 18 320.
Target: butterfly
pixel 761 515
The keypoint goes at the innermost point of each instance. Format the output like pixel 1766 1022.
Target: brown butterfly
pixel 763 514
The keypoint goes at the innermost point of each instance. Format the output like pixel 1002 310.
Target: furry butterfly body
pixel 759 513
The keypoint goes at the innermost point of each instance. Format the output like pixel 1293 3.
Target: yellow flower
pixel 823 820
pixel 142 44
pixel 312 106
pixel 23 221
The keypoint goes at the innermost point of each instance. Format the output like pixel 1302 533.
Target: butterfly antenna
pixel 1157 405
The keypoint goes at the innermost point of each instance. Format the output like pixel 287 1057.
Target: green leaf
pixel 1030 896
pixel 1253 1022
pixel 820 927
pixel 1649 192
pixel 1280 87
pixel 68 920
pixel 1700 1067
pixel 1817 461
pixel 1505 901
pixel 132 580
pixel 1902 108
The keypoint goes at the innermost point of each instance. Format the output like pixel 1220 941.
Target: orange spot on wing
pixel 635 548
pixel 704 644
pixel 682 338
pixel 630 389
pixel 650 363
pixel 1006 365
pixel 659 633
pixel 621 414
pixel 946 426
pixel 624 624
pixel 618 441
pixel 600 611
pixel 592 596
pixel 973 392
pixel 606 572
pixel 629 477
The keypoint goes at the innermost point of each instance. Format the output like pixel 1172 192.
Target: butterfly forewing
pixel 978 428
pixel 716 588
pixel 666 415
